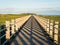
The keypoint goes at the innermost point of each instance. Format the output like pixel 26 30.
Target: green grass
pixel 9 17
pixel 55 18
pixel 4 17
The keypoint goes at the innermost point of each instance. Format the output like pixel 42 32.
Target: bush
pixel 2 27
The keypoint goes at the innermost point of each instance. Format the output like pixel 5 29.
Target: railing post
pixel 48 26
pixel 7 30
pixel 56 29
pixel 13 31
pixel 45 22
pixel 16 25
pixel 59 33
pixel 19 23
pixel 51 28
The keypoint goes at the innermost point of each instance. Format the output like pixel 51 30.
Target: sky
pixel 45 7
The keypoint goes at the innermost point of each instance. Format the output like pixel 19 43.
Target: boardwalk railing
pixel 12 27
pixel 51 27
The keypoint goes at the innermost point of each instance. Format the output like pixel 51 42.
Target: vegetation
pixel 4 17
pixel 56 18
pixel 2 26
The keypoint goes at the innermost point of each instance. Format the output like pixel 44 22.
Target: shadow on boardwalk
pixel 31 34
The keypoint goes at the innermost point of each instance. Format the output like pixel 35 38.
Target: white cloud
pixel 45 11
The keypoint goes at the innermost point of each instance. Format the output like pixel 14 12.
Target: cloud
pixel 44 11
pixel 48 11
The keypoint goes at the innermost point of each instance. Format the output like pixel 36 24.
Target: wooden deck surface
pixel 31 34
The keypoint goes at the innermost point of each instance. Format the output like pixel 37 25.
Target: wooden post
pixel 19 23
pixel 44 24
pixel 13 31
pixel 56 29
pixel 48 26
pixel 59 33
pixel 16 25
pixel 51 28
pixel 7 30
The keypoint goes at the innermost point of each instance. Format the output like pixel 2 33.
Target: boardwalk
pixel 31 34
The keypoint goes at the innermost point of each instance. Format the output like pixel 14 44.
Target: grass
pixel 4 17
pixel 55 18
pixel 9 17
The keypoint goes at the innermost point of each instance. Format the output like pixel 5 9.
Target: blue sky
pixel 47 7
